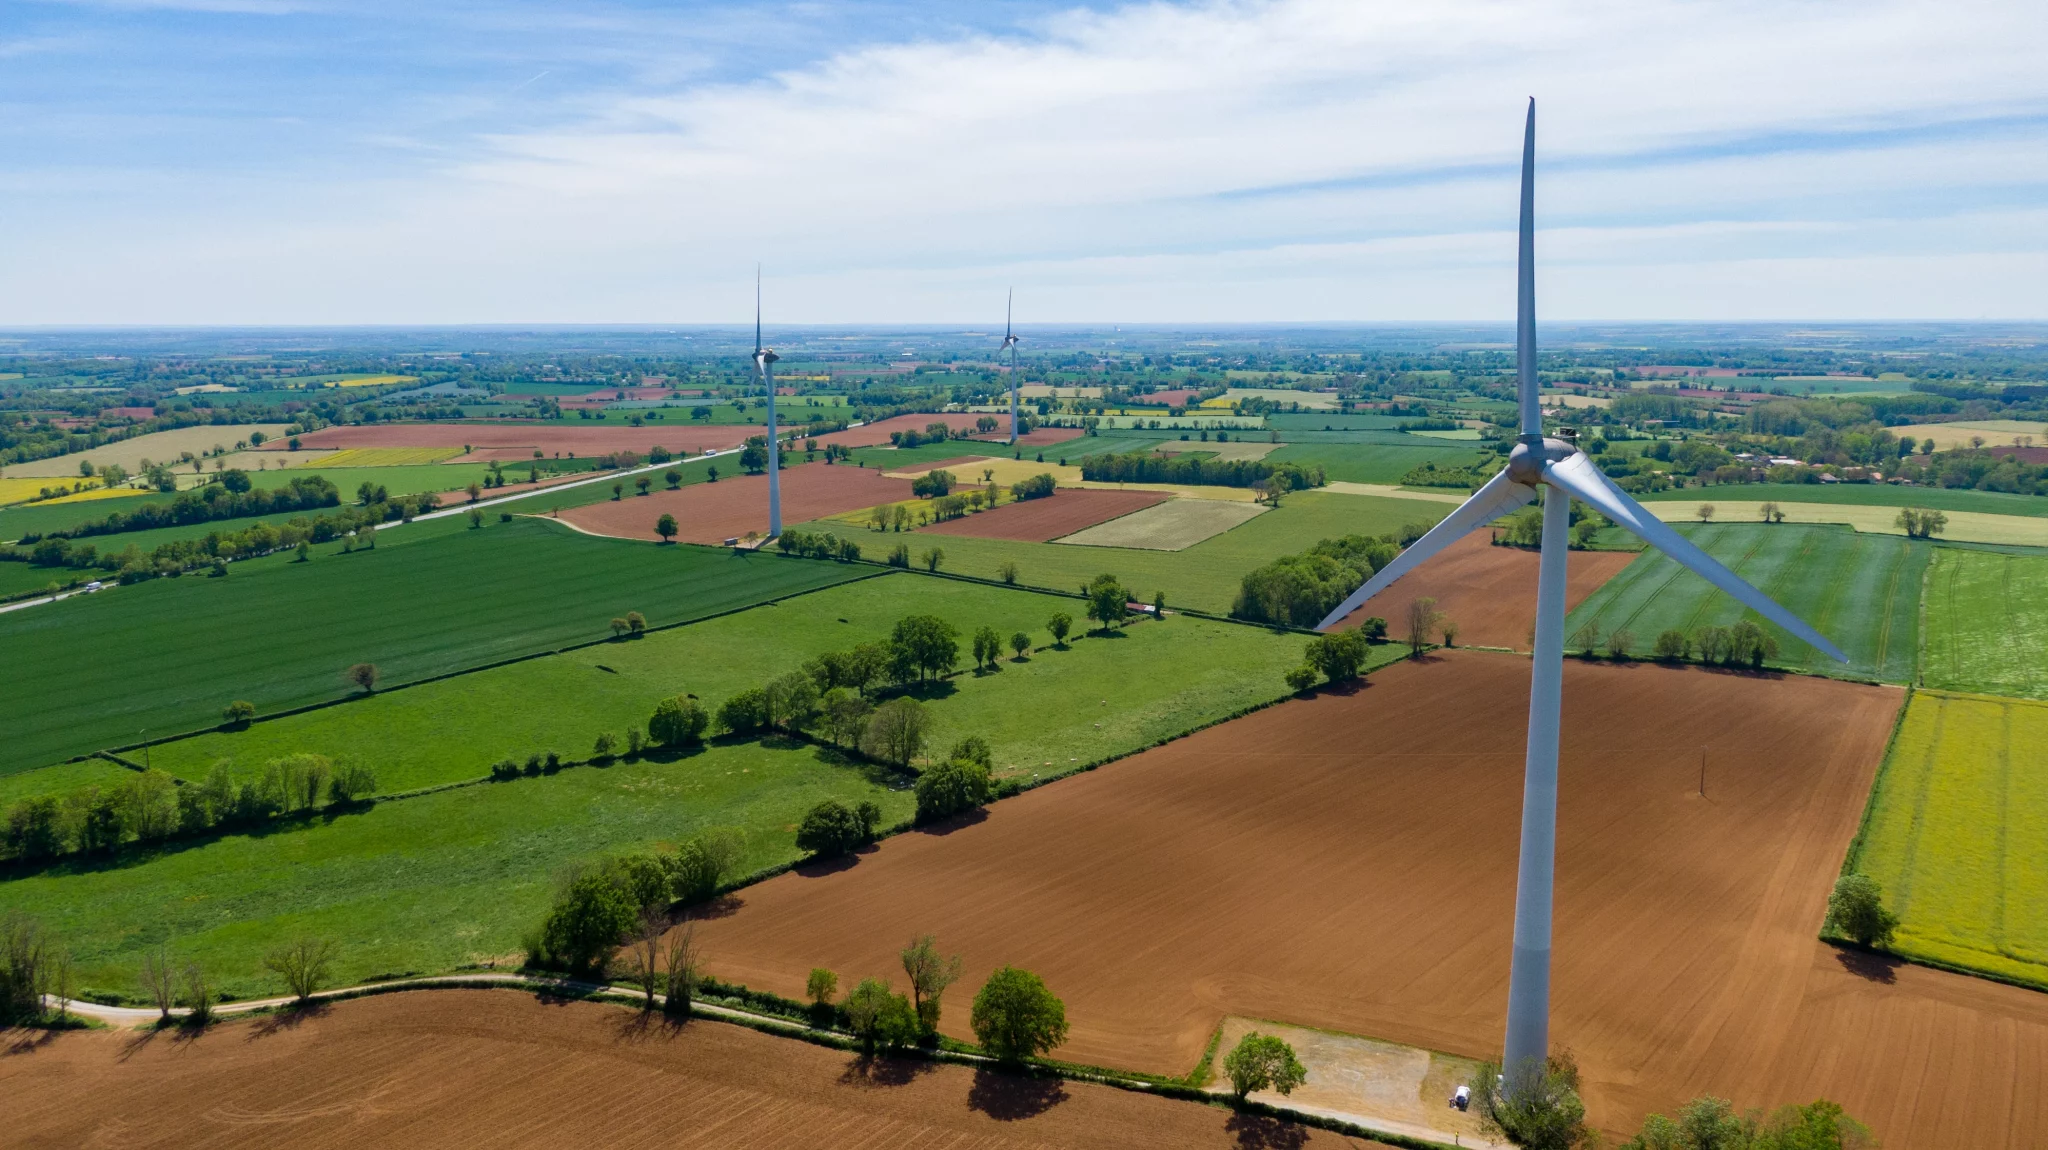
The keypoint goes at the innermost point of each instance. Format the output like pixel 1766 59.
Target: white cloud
pixel 1702 159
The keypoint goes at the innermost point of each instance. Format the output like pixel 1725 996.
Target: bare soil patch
pixel 1171 526
pixel 1040 520
pixel 521 440
pixel 503 1069
pixel 870 434
pixel 737 504
pixel 1490 591
pixel 1348 862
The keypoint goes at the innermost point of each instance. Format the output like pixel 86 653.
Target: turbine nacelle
pixel 1533 453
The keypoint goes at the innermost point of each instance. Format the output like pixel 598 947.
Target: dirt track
pixel 513 441
pixel 1042 520
pixel 502 1069
pixel 1490 591
pixel 1348 862
pixel 737 504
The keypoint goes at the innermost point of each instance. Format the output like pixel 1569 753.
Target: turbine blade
pixel 1499 496
pixel 1581 478
pixel 1530 393
pixel 757 311
pixel 1009 306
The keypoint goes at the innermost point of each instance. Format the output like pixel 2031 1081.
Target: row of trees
pixel 231 496
pixel 1745 644
pixel 180 555
pixel 154 806
pixel 1298 590
pixel 822 545
pixel 1148 467
pixel 597 908
pixel 1015 1016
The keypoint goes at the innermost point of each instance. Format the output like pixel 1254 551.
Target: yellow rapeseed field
pixel 13 490
pixel 373 380
pixel 382 457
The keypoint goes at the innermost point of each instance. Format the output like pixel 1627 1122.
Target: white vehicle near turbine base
pixel 1562 471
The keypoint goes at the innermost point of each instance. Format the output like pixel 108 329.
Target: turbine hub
pixel 1532 453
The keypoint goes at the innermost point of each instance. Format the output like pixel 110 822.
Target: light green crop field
pixel 39 518
pixel 1987 623
pixel 61 779
pixel 1856 495
pixel 421 884
pixel 1205 576
pixel 403 480
pixel 168 654
pixel 1163 678
pixel 1371 463
pixel 1957 835
pixel 1862 591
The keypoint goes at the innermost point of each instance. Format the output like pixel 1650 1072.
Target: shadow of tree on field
pixel 1264 1132
pixel 1868 964
pixel 287 1018
pixel 958 822
pixel 819 868
pixel 1010 1097
pixel 878 1070
pixel 649 1026
pixel 723 906
pixel 25 1040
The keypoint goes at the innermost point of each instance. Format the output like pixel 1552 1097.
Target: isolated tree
pixel 476 491
pixel 1007 572
pixel 678 722
pixel 831 829
pixel 364 675
pixel 303 963
pixel 673 478
pixel 1020 643
pixel 636 622
pixel 1107 600
pixel 1338 656
pixel 1016 1017
pixel 930 973
pixel 1856 909
pixel 643 483
pixel 1771 513
pixel 238 713
pixel 1060 624
pixel 897 730
pixel 1422 619
pixel 160 981
pixel 1263 1062
pixel 665 527
pixel 620 626
pixel 476 518
pixel 618 492
pixel 1705 511
pixel 821 987
pixel 1921 523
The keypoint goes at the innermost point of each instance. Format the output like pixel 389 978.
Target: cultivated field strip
pixel 1987 623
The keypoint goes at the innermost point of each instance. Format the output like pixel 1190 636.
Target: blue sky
pixel 280 161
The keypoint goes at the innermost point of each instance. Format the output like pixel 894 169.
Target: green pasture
pixel 1372 463
pixel 61 779
pixel 42 518
pixel 1848 388
pixel 19 578
pixel 1149 682
pixel 1987 623
pixel 1957 835
pixel 422 884
pixel 1287 425
pixel 1861 591
pixel 1205 576
pixel 167 655
pixel 1858 494
pixel 411 479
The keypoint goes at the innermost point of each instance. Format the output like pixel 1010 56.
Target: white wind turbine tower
pixel 1558 466
pixel 1010 345
pixel 764 364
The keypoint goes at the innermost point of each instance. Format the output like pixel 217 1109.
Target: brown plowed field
pixel 1348 862
pixel 1490 591
pixel 1043 520
pixel 870 434
pixel 502 1069
pixel 735 505
pixel 520 440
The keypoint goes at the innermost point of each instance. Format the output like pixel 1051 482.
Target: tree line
pixel 1298 590
pixel 230 496
pixel 1147 467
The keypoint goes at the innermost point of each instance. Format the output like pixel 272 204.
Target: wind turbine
pixel 1010 345
pixel 764 363
pixel 1558 466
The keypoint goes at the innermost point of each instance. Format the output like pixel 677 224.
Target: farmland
pixel 1958 835
pixel 440 603
pixel 1961 526
pixel 1171 526
pixel 1488 591
pixel 160 446
pixel 1043 520
pixel 1370 463
pixel 1150 894
pixel 1859 495
pixel 501 1068
pixel 514 441
pixel 737 505
pixel 1861 591
pixel 1987 623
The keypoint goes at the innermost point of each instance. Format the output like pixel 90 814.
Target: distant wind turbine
pixel 764 363
pixel 1560 467
pixel 1010 345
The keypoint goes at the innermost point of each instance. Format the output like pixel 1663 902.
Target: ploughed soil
pixel 1348 862
pixel 870 434
pixel 1040 520
pixel 505 1069
pixel 737 504
pixel 1490 591
pixel 513 441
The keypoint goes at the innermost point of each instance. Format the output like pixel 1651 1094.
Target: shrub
pixel 1856 909
pixel 27 969
pixel 744 713
pixel 1060 624
pixel 1007 572
pixel 1301 678
pixel 953 786
pixel 1036 487
pixel 364 675
pixel 832 828
pixel 1016 1017
pixel 238 713
pixel 896 732
pixel 1338 656
pixel 677 722
pixel 1536 1106
pixel 503 770
pixel 351 781
pixel 303 963
pixel 704 862
pixel 1263 1062
pixel 822 986
pixel 602 750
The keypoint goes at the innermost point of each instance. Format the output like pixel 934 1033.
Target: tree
pixel 1016 1017
pixel 932 558
pixel 1620 642
pixel 792 700
pixel 475 491
pixel 1586 638
pixel 618 491
pixel 704 862
pixel 897 730
pixel 604 748
pixel 1672 645
pixel 956 785
pixel 1771 512
pixel 1159 604
pixel 930 974
pixel 643 483
pixel 1007 572
pixel 304 551
pixel 1337 656
pixel 988 647
pixel 1020 644
pixel 879 1016
pixel 1536 1105
pixel 928 644
pixel 1705 511
pixel 1059 625
pixel 350 781
pixel 754 456
pixel 1856 909
pixel 832 828
pixel 665 527
pixel 197 995
pixel 682 970
pixel 673 478
pixel 678 722
pixel 476 520
pixel 160 981
pixel 1301 678
pixel 303 963
pixel 35 829
pixel 1107 600
pixel 933 484
pixel 846 715
pixel 711 474
pixel 591 914
pixel 364 675
pixel 1263 1062
pixel 28 966
pixel 744 713
pixel 620 626
pixel 643 955
pixel 238 713
pixel 821 987
pixel 636 623
pixel 1422 619
pixel 1751 644
pixel 1921 523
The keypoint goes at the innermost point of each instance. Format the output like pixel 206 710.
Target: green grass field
pixel 1161 679
pixel 1205 577
pixel 1987 623
pixel 1957 834
pixel 1862 591
pixel 39 518
pixel 1860 495
pixel 167 655
pixel 1318 421
pixel 1371 463
pixel 423 884
pixel 61 779
pixel 408 480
